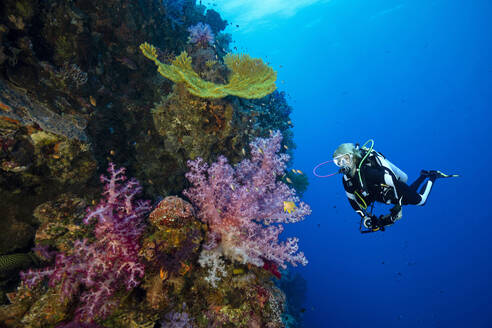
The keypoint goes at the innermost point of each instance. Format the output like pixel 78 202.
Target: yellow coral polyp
pixel 249 78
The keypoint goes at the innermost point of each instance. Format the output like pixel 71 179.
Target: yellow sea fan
pixel 183 61
pixel 149 51
pixel 249 78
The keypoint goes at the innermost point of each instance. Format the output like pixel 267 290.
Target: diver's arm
pixel 350 192
pixel 353 203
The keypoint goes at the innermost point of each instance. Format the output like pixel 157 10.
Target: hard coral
pixel 173 212
pixel 110 263
pixel 244 204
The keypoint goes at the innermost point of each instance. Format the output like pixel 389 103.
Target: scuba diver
pixel 369 177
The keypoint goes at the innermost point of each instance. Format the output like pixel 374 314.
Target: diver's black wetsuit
pixel 382 185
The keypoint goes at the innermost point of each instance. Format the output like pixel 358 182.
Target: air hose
pixel 365 156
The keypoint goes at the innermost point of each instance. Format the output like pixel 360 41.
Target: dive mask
pixel 343 161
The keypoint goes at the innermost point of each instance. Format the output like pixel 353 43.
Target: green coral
pixel 46 311
pixel 25 8
pixel 42 138
pixel 250 77
pixel 64 48
pixel 60 222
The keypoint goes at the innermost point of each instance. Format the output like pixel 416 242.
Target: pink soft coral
pixel 244 205
pixel 111 262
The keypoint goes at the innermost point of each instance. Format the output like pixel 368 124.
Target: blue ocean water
pixel 415 76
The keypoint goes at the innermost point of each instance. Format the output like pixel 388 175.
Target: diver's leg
pixel 416 184
pixel 426 189
pixel 408 195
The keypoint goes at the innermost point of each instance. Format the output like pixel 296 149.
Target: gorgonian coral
pixel 201 34
pixel 244 205
pixel 95 271
pixel 249 77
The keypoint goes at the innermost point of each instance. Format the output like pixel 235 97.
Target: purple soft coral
pixel 201 34
pixel 109 263
pixel 244 205
pixel 176 320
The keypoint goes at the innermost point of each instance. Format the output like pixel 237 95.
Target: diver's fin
pixel 438 174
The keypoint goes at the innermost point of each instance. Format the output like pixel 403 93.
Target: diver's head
pixel 346 157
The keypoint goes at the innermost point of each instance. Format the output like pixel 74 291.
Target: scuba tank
pixel 399 174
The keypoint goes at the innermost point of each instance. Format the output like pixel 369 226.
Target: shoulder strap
pixel 373 158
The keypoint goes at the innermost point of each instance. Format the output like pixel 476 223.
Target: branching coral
pixel 216 266
pixel 244 205
pixel 249 78
pixel 97 270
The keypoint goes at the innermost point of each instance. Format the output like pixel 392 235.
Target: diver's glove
pixel 396 213
pixel 390 218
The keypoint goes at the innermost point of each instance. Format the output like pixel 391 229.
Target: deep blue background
pixel 416 77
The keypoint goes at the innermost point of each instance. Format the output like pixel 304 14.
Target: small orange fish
pixel 92 101
pixel 163 274
pixel 5 107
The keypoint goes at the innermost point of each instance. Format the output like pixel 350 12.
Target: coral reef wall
pixel 77 93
